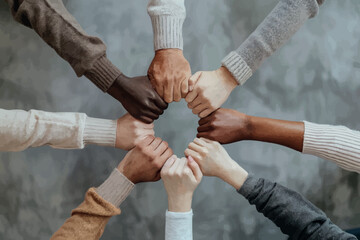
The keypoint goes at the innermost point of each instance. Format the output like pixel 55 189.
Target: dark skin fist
pixel 138 97
pixel 144 162
pixel 169 73
pixel 224 126
pixel 227 126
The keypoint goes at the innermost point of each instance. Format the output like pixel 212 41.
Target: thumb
pixel 195 168
pixel 193 79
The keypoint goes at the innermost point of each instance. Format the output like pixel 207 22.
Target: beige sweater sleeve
pixel 20 130
pixel 88 221
pixel 60 30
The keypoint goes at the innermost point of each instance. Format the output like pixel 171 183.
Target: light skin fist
pixel 215 161
pixel 180 177
pixel 225 126
pixel 212 88
pixel 144 162
pixel 169 73
pixel 130 132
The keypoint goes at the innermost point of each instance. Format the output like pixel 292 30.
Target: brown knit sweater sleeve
pixel 59 29
pixel 88 220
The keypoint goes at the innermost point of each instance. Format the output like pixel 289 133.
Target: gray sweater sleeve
pixel 283 21
pixel 291 212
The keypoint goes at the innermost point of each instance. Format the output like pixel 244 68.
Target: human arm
pixel 291 212
pixel 169 71
pixel 335 143
pixel 20 130
pixel 87 56
pixel 142 164
pixel 287 17
pixel 228 126
pixel 212 88
pixel 60 30
pixel 180 177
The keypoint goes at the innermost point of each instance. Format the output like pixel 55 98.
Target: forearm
pixel 60 30
pixel 335 143
pixel 277 28
pixel 291 212
pixel 178 225
pixel 20 130
pixel 88 221
pixel 287 133
pixel 167 19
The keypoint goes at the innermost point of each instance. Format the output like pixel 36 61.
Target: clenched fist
pixel 138 97
pixel 144 162
pixel 130 132
pixel 225 126
pixel 180 177
pixel 169 73
pixel 212 88
pixel 215 161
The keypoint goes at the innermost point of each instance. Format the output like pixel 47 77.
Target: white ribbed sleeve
pixel 178 225
pixel 167 18
pixel 20 130
pixel 336 143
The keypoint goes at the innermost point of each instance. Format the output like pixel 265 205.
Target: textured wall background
pixel 314 77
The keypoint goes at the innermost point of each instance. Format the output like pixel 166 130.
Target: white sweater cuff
pixel 116 188
pixel 237 66
pixel 336 143
pixel 167 31
pixel 178 225
pixel 100 132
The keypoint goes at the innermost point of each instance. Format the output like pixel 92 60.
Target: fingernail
pixel 190 159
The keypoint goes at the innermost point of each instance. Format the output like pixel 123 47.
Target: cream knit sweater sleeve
pixel 167 17
pixel 20 130
pixel 336 143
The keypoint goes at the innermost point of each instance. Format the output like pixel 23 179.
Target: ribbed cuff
pixel 313 137
pixel 237 66
pixel 103 73
pixel 179 215
pixel 100 132
pixel 248 186
pixel 167 31
pixel 178 225
pixel 116 188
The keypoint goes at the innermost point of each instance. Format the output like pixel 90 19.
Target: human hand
pixel 144 162
pixel 130 132
pixel 138 97
pixel 225 126
pixel 215 161
pixel 211 90
pixel 180 177
pixel 169 73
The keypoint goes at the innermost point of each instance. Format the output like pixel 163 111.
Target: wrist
pixel 180 203
pixel 126 173
pixel 167 51
pixel 234 175
pixel 250 125
pixel 225 75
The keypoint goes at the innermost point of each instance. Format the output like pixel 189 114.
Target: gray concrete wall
pixel 315 77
